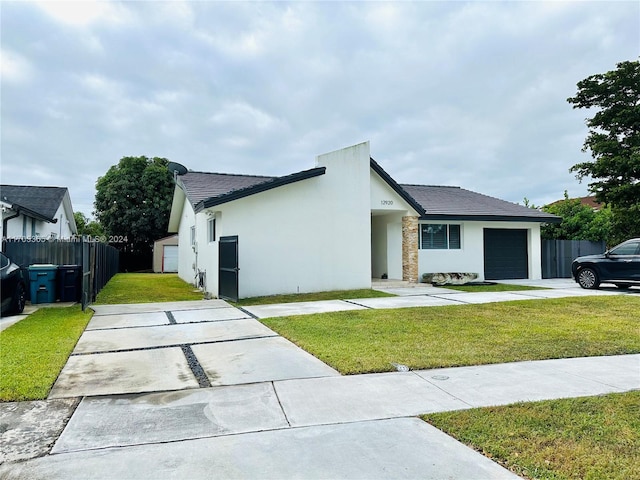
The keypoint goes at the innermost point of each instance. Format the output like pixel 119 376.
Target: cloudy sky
pixel 471 94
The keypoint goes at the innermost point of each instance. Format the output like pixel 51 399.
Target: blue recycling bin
pixel 42 281
pixel 69 277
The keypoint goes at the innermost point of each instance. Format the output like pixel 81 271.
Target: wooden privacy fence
pixel 98 261
pixel 557 255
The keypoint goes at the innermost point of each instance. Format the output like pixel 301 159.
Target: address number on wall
pixel 386 202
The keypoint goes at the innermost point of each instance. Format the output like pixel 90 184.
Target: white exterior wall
pixel 26 226
pixel 23 226
pixel 186 255
pixel 14 225
pixel 387 210
pixel 470 258
pixel 308 236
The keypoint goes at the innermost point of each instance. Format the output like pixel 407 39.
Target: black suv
pixel 620 266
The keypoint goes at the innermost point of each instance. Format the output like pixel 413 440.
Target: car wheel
pixel 19 299
pixel 588 278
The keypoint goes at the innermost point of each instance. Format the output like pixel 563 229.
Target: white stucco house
pixel 340 224
pixel 32 211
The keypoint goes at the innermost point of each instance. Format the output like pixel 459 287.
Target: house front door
pixel 228 268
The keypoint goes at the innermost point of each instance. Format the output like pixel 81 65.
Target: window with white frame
pixel 440 236
pixel 211 229
pixel 193 236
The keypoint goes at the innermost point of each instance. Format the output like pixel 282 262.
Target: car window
pixel 626 249
pixel 4 261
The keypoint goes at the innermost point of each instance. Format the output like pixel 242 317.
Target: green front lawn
pixel 34 350
pixel 362 341
pixel 579 438
pixel 146 288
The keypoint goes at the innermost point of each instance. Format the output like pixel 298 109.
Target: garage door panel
pixel 505 254
pixel 170 259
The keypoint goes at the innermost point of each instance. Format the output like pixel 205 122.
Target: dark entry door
pixel 505 254
pixel 228 268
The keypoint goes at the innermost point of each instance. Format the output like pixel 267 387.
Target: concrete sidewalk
pixel 425 295
pixel 332 427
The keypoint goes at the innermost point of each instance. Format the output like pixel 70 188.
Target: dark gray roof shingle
pixel 200 186
pixel 41 200
pixel 458 203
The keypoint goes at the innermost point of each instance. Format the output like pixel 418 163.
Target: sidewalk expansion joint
pixel 248 313
pixel 173 345
pixel 275 391
pixel 358 304
pixel 196 368
pixel 443 390
pixel 171 318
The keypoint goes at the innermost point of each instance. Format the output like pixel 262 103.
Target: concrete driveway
pixel 202 389
pixel 174 346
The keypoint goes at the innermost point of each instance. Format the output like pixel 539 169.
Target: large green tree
pixel 133 201
pixel 613 140
pixel 579 222
pixel 87 227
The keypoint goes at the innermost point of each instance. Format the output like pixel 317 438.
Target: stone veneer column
pixel 410 249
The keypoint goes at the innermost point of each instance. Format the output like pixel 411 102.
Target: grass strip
pixel 312 297
pixel 146 288
pixel 34 350
pixel 580 438
pixel 363 341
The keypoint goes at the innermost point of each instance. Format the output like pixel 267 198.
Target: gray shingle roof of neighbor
pixel 449 203
pixel 200 186
pixel 43 201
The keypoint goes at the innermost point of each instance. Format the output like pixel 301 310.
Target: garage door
pixel 170 259
pixel 505 254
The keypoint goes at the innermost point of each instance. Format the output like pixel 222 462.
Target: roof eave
pixel 31 213
pixel 491 218
pixel 259 188
pixel 177 205
pixel 396 187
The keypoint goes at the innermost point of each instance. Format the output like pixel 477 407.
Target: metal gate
pixel 557 255
pixel 228 268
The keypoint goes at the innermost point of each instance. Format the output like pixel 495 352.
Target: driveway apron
pixel 180 345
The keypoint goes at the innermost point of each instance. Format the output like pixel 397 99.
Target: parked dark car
pixel 620 266
pixel 13 288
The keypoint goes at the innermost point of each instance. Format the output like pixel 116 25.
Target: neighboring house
pixel 32 211
pixel 165 255
pixel 589 201
pixel 336 226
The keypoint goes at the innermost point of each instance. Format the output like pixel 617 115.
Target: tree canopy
pixel 86 226
pixel 614 134
pixel 579 222
pixel 133 202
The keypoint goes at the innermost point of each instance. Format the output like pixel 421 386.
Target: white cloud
pixel 470 94
pixel 14 67
pixel 80 13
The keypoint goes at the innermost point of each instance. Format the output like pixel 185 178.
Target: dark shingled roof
pixel 43 201
pixel 455 203
pixel 259 187
pixel 200 186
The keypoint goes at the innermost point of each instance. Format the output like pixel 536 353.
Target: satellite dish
pixel 176 168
